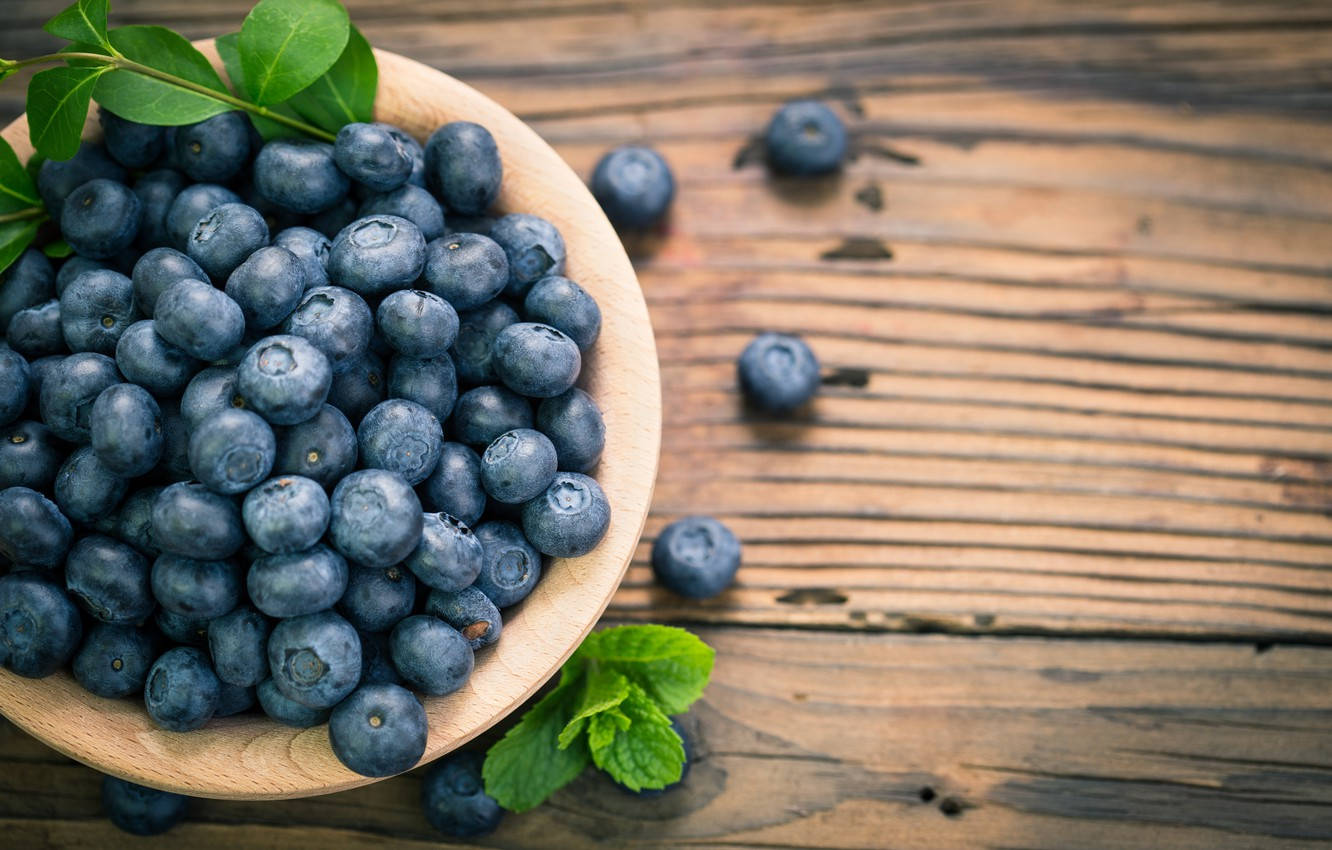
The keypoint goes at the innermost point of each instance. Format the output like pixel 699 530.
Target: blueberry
pixel 414 150
pixel 480 225
pixel 154 273
pixel 484 413
pixel 566 306
pixel 431 383
pixel 304 582
pixel 199 319
pixel 370 154
pixel 126 430
pixel 200 590
pixel 311 248
pixel 238 642
pixel 182 630
pixel 462 167
pixel 284 379
pixel 95 309
pixel 139 810
pixel 778 372
pixel 286 514
pixel 129 143
pixel 215 149
pixel 287 711
pixel 134 526
pixel 113 661
pixel 69 391
pixel 569 518
pixel 430 655
pixel 35 331
pixel 315 659
pixel 378 597
pixel 416 323
pixel 210 391
pixel 536 360
pixel 453 796
pixel 334 320
pixel 533 247
pixel 573 423
pixel 696 557
pixel 57 178
pixel 804 138
pixel 15 385
pixel 376 517
pixel 684 772
pixel 153 363
pixel 633 185
pixel 157 190
pixel 518 465
pixel 322 448
pixel 72 268
pixel 379 730
pixel 233 699
pixel 299 175
pixel 376 660
pixel 359 387
pixel 29 456
pixel 85 488
pixel 510 567
pixel 412 203
pixel 182 690
pixel 29 281
pixel 470 612
pixel 448 556
pixel 331 221
pixel 455 486
pixel 472 351
pixel 191 204
pixel 377 254
pixel 401 436
pixel 101 218
pixel 193 521
pixel 225 236
pixel 38 370
pixel 39 626
pixel 110 580
pixel 267 286
pixel 232 450
pixel 465 269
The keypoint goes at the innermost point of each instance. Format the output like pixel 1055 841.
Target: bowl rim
pixel 256 758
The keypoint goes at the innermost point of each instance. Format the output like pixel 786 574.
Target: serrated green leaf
pixel 526 766
pixel 602 691
pixel 57 107
pixel 58 249
pixel 649 753
pixel 346 93
pixel 668 663
pixel 285 45
pixel 601 731
pixel 84 20
pixel 230 55
pixel 15 237
pixel 17 189
pixel 136 97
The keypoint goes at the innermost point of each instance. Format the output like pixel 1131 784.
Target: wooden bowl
pixel 254 757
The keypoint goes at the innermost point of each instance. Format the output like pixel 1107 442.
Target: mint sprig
pixel 611 708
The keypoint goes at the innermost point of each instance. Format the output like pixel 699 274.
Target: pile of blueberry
pixel 225 479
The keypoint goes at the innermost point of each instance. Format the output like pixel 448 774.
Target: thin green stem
pixel 122 63
pixel 23 215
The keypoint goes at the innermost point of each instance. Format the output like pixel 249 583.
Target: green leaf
pixel 17 189
pixel 648 754
pixel 230 54
pixel 58 249
pixel 82 21
pixel 346 93
pixel 670 664
pixel 602 690
pixel 57 107
pixel 34 166
pixel 136 97
pixel 526 766
pixel 285 45
pixel 15 237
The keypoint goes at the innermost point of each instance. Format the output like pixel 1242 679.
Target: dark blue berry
pixel 536 360
pixel 430 655
pixel 696 557
pixel 286 514
pixel 778 372
pixel 139 810
pixel 134 526
pixel 470 612
pixel 284 379
pixel 157 190
pixel 233 699
pixel 376 517
pixel 129 143
pixel 465 269
pixel 39 626
pixel 378 597
pixel 573 423
pixel 416 323
pixel 210 391
pixel 376 660
pixel 533 247
pixel 414 150
pixel 401 436
pixel 181 630
pixel 175 463
pixel 377 254
pixel 304 582
pixel 805 137
pixel 448 556
pixel 101 218
pixel 199 319
pixel 57 178
pixel 29 456
pixel 379 730
pixel 267 286
pixel 110 580
pixel 299 175
pixel 286 710
pixel 634 186
pixel 412 203
pixel 113 661
pixel 182 690
pixel 477 329
pixel 569 518
pixel 334 320
pixel 95 309
pixel 484 413
pixel 15 385
pixel 200 590
pixel 315 659
pixel 191 204
pixel 225 236
pixel 510 566
pixel 431 383
pixel 462 167
pixel 322 448
pixel 518 465
pixel 154 273
pixel 193 521
pixel 370 154
pixel 566 306
pixel 126 430
pixel 453 796
pixel 29 281
pixel 69 391
pixel 85 488
pixel 311 248
pixel 359 387
pixel 215 149
pixel 331 221
pixel 36 332
pixel 153 363
pixel 238 642
pixel 455 487
pixel 232 450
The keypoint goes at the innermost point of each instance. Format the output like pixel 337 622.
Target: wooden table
pixel 1047 564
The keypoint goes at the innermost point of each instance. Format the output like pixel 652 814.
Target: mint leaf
pixel 648 754
pixel 82 21
pixel 285 45
pixel 346 93
pixel 602 728
pixel 526 766
pixel 17 189
pixel 58 249
pixel 670 664
pixel 136 97
pixel 57 107
pixel 15 236
pixel 602 690
pixel 230 54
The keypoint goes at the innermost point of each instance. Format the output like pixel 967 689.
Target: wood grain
pixel 877 741
pixel 253 757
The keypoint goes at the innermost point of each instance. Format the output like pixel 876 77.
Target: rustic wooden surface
pixel 1075 294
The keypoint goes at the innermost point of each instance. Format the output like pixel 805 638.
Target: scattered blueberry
pixel 139 810
pixel 238 643
pixel 191 204
pixel 154 273
pixel 453 796
pixel 146 359
pixel 634 186
pixel 778 372
pixel 69 391
pixel 431 383
pixel 225 236
pixel 477 330
pixel 134 525
pixel 85 488
pixel 401 436
pixel 29 281
pixel 157 190
pixel 57 178
pixel 182 690
pixel 29 456
pixel 573 423
pixel 286 514
pixel 379 730
pixel 449 555
pixel 35 331
pixel 101 218
pixel 696 557
pixel 412 203
pixel 288 711
pixel 304 582
pixel 210 391
pixel 805 137
pixel 465 269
